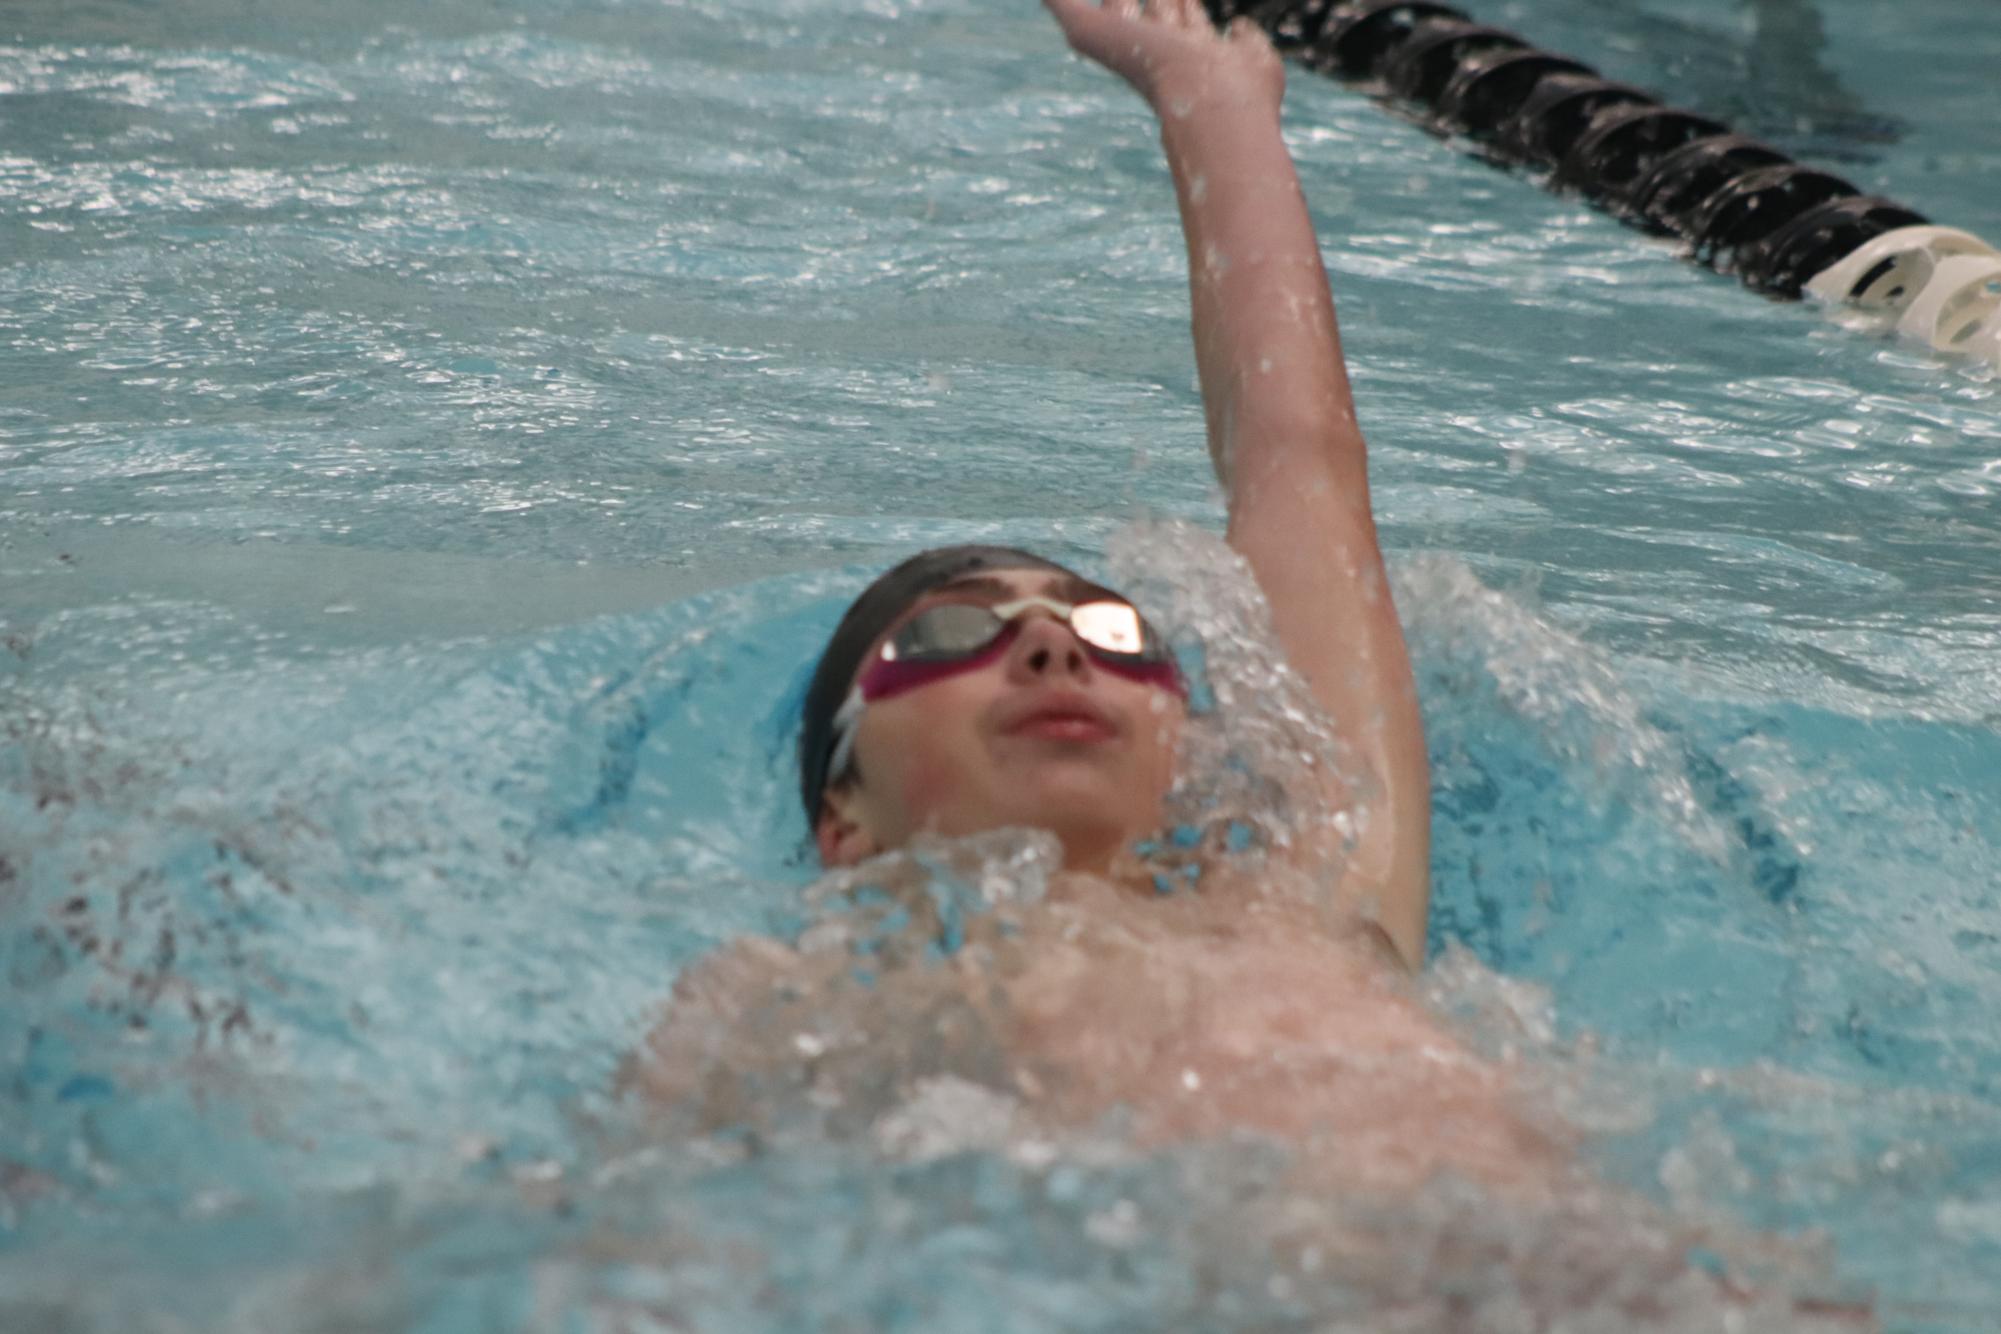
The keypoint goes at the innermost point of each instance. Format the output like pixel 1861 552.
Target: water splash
pixel 1568 690
pixel 1259 756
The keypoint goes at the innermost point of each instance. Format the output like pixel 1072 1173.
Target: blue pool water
pixel 433 437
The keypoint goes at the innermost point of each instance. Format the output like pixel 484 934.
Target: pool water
pixel 434 438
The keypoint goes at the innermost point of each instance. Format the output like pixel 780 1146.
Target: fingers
pixel 1083 15
pixel 1243 28
pixel 1187 15
pixel 1083 24
pixel 1071 14
pixel 1137 39
pixel 1089 27
pixel 1168 13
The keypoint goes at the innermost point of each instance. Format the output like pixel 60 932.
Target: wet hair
pixel 867 617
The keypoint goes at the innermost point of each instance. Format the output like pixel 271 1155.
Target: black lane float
pixel 1738 204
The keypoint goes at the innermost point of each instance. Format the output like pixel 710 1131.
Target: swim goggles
pixel 953 637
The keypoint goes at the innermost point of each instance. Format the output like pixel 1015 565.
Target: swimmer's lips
pixel 1061 717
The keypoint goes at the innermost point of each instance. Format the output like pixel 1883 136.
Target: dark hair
pixel 867 617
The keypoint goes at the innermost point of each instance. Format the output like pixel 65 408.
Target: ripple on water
pixel 347 346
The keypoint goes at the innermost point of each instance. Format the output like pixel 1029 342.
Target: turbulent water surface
pixel 434 437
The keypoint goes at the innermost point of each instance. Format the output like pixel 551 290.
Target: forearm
pixel 1282 430
pixel 1284 439
pixel 1266 343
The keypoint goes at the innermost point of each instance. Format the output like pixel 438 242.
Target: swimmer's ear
pixel 841 836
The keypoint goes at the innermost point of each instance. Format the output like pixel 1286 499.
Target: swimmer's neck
pixel 1102 854
pixel 1122 860
pixel 1220 898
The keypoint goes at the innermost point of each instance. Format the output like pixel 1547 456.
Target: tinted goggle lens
pixel 957 629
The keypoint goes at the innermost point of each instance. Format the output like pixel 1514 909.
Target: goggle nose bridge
pixel 1006 613
pixel 1060 612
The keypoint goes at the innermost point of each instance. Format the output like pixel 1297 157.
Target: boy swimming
pixel 974 689
pixel 958 719
pixel 977 689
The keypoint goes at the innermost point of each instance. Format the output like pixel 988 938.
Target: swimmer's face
pixel 1043 737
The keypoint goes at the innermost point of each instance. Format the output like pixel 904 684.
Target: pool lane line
pixel 1739 205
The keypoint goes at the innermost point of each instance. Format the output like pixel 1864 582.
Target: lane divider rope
pixel 1739 205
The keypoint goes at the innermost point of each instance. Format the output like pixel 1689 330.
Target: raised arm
pixel 1282 429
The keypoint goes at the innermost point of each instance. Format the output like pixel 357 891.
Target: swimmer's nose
pixel 1047 648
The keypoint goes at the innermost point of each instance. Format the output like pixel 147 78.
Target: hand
pixel 1170 52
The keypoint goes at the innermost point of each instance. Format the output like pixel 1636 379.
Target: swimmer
pixel 976 689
